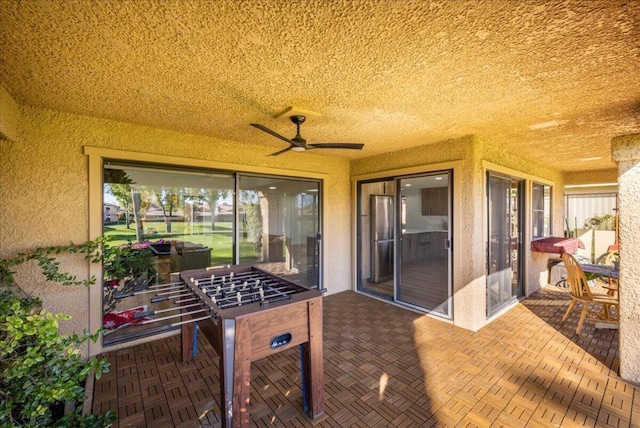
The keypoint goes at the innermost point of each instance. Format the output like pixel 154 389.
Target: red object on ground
pixel 557 245
pixel 113 320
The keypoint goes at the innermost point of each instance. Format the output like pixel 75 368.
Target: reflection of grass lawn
pixel 219 240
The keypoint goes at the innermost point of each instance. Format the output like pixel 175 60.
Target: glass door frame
pixel 360 233
pixel 447 243
pixel 520 187
pixel 363 221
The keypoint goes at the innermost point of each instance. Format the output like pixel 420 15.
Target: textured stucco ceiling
pixel 391 74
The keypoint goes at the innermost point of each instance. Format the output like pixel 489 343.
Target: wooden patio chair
pixel 580 292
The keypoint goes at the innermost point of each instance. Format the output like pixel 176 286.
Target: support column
pixel 625 150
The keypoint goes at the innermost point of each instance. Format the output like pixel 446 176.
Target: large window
pixel 160 220
pixel 541 210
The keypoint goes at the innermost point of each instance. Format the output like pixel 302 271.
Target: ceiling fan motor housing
pixel 298 119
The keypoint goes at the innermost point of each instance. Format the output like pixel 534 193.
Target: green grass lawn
pixel 219 240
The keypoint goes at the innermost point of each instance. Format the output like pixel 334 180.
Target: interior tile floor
pixel 386 366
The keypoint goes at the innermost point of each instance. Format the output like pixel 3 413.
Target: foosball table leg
pixel 236 372
pixel 188 337
pixel 313 361
pixel 303 376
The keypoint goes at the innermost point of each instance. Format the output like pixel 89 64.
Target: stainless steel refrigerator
pixel 381 211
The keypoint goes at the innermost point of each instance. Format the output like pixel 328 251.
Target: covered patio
pixel 537 95
pixel 389 366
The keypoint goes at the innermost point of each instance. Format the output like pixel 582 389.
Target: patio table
pixel 603 271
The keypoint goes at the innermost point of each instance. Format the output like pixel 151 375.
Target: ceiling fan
pixel 299 144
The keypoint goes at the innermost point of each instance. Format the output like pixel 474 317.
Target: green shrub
pixel 604 222
pixel 40 369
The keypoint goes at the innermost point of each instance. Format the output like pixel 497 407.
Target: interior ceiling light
pixel 408 184
pixel 438 178
pixel 595 158
pixel 549 124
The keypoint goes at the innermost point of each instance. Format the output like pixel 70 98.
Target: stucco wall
pixel 44 197
pixel 591 177
pixel 626 151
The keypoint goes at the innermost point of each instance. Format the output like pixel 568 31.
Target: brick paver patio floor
pixel 386 366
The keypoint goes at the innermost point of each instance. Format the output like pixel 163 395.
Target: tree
pixel 122 193
pixel 212 196
pixel 168 199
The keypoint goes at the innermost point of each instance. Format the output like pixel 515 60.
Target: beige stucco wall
pixel 44 197
pixel 626 151
pixel 476 156
pixel 591 177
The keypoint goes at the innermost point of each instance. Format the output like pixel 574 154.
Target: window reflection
pixel 279 227
pixel 159 220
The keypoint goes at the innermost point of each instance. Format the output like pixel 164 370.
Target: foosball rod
pixel 225 279
pixel 230 275
pixel 165 298
pixel 228 285
pixel 266 290
pixel 162 287
pixel 269 283
pixel 167 284
pixel 137 293
pixel 262 301
pixel 175 316
pixel 175 324
pixel 158 311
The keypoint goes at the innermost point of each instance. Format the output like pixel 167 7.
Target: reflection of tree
pixel 168 198
pixel 122 193
pixel 138 204
pixel 254 225
pixel 118 184
pixel 211 197
pixel 253 217
pixel 131 197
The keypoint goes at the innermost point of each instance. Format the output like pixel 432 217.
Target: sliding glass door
pixel 404 240
pixel 425 243
pixel 504 252
pixel 376 237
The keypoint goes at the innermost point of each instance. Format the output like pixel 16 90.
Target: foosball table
pixel 248 314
